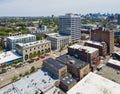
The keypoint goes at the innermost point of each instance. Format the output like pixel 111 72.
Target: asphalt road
pixel 6 78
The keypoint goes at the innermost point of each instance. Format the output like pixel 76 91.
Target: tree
pixel 46 50
pixel 34 54
pixel 116 40
pixel 31 56
pixel 15 61
pixel 1 48
pixel 14 78
pixel 71 43
pixel 32 69
pixel 39 53
pixel 26 73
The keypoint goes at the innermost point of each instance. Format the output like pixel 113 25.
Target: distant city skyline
pixel 56 7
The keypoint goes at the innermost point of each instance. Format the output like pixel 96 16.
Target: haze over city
pixel 56 7
pixel 59 47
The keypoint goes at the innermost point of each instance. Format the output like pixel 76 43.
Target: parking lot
pixel 110 73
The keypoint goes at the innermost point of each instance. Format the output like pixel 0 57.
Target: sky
pixel 57 7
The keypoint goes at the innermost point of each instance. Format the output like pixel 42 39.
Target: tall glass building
pixel 70 24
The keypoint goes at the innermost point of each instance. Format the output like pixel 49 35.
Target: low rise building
pixel 8 57
pixel 33 49
pixel 75 66
pixel 85 53
pixel 114 63
pixel 58 41
pixel 95 84
pixel 67 83
pixel 58 69
pixel 19 38
pixel 39 82
pixel 116 55
pixel 99 45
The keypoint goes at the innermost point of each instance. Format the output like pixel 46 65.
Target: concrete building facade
pixel 32 49
pixel 58 41
pixel 70 25
pixel 85 53
pixel 104 35
pixel 99 45
pixel 25 38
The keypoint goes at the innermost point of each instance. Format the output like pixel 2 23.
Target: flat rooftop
pixel 114 62
pixel 117 52
pixel 31 44
pixel 54 64
pixel 20 36
pixel 54 90
pixel 94 42
pixel 87 48
pixel 110 73
pixel 8 56
pixel 39 82
pixel 68 80
pixel 56 35
pixel 95 84
pixel 74 61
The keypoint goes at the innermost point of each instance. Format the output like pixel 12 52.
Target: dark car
pixel 30 61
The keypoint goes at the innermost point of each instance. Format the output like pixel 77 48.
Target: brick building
pixel 106 35
pixel 67 83
pixel 56 68
pixel 85 53
pixel 75 66
pixel 99 45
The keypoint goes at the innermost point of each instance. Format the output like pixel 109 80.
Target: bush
pixel 26 73
pixel 32 69
pixel 14 78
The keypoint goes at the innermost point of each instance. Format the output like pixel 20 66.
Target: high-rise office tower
pixel 69 24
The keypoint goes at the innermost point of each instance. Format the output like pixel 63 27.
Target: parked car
pixel 4 70
pixel 42 57
pixel 30 61
pixel 37 59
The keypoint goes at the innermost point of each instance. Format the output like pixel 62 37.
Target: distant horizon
pixel 57 15
pixel 57 7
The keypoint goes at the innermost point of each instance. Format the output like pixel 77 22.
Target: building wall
pixel 84 71
pixel 92 58
pixel 59 73
pixel 77 72
pixel 57 43
pixel 39 49
pixel 11 43
pixel 104 35
pixel 65 87
pixel 113 66
pixel 70 25
pixel 62 72
pixel 102 49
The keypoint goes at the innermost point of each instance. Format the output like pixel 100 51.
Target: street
pixel 6 78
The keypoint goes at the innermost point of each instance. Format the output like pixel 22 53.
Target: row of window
pixel 38 48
